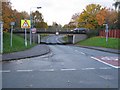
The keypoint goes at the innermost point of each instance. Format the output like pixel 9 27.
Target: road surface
pixel 64 67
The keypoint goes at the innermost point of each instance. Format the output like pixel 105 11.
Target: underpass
pixel 72 37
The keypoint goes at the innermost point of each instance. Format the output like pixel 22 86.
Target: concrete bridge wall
pixel 79 37
pixel 71 38
pixel 76 38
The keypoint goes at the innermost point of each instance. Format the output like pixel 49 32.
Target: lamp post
pixel 31 20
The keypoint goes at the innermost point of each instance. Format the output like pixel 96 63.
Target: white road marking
pixel 110 58
pixel 68 69
pixel 24 70
pixel 88 68
pixel 106 77
pixel 105 62
pixel 47 70
pixel 116 59
pixel 82 53
pixel 5 71
pixel 58 40
pixel 105 68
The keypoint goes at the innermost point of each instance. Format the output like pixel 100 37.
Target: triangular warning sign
pixel 25 24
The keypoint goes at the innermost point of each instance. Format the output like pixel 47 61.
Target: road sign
pixel 33 30
pixel 12 23
pixel 25 24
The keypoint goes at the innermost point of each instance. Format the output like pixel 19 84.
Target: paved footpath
pixel 33 52
pixel 102 49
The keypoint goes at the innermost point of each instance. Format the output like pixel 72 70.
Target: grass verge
pixel 43 35
pixel 65 38
pixel 101 42
pixel 18 43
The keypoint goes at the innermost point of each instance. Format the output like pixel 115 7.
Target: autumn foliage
pixel 101 16
pixel 9 15
pixel 106 16
pixel 94 16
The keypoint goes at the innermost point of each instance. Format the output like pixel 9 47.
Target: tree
pixel 108 16
pixel 0 10
pixel 117 7
pixel 101 16
pixel 7 14
pixel 38 20
pixel 87 17
pixel 17 16
pixel 74 20
pixel 10 15
pixel 24 15
pixel 37 17
pixel 117 4
pixel 41 25
pixel 111 18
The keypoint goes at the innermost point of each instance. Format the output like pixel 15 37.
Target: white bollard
pixel 38 38
pixel 73 39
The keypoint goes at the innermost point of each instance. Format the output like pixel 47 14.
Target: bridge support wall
pixel 70 38
pixel 78 37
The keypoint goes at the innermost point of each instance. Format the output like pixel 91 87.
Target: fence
pixel 111 33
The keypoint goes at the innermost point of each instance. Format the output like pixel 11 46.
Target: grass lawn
pixel 18 43
pixel 101 42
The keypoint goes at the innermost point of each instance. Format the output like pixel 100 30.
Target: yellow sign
pixel 25 24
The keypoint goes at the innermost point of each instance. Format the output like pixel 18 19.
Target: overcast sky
pixel 59 11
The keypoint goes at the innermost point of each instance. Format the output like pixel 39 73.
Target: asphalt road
pixel 65 67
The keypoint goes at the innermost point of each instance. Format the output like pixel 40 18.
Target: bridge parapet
pixel 43 31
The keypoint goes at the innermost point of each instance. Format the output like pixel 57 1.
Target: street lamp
pixel 32 22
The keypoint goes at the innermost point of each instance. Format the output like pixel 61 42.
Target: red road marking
pixel 110 60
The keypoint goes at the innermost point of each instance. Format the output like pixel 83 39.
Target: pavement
pixel 33 52
pixel 116 51
pixel 44 49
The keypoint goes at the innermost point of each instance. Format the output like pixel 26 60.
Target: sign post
pixel 33 30
pixel 106 33
pixel 33 33
pixel 12 24
pixel 25 24
pixel 1 37
pixel 25 38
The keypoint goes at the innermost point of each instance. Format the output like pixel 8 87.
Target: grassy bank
pixel 44 35
pixel 101 42
pixel 18 43
pixel 65 38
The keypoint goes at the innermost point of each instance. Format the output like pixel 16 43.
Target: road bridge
pixel 42 31
pixel 73 37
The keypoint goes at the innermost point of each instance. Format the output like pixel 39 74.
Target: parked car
pixel 80 30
